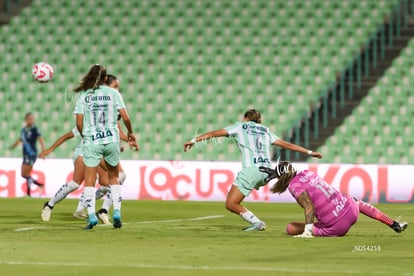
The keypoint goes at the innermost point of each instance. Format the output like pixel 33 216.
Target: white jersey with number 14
pixel 100 112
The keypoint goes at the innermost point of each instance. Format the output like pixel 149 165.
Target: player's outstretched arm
pixel 56 144
pixel 205 136
pixel 286 145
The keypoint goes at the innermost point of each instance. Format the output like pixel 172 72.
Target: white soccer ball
pixel 42 72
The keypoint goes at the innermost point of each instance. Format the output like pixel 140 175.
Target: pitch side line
pixel 194 267
pixel 137 222
pixel 28 228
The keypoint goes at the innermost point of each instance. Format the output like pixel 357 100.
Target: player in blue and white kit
pixel 29 135
pixel 254 141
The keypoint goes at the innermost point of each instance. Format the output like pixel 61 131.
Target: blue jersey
pixel 29 137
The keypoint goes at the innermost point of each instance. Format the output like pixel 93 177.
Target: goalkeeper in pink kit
pixel 333 211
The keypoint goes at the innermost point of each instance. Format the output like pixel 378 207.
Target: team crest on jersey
pixel 101 135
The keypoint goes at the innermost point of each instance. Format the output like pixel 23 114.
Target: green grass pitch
pixel 194 238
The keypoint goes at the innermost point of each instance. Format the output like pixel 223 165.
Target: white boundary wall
pixel 210 181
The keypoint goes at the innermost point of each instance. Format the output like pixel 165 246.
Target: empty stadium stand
pixel 185 66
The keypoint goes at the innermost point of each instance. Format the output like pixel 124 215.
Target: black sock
pixel 29 181
pixel 37 182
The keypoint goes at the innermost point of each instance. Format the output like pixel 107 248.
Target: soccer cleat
pixel 38 183
pixel 258 226
pixel 46 212
pixel 102 215
pixel 92 221
pixel 117 219
pixel 80 215
pixel 399 226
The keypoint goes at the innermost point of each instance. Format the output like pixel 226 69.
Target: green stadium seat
pixel 180 58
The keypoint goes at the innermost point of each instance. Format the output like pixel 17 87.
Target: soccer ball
pixel 42 72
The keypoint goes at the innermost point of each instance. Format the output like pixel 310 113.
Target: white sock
pixel 63 192
pixel 81 204
pixel 107 201
pixel 250 217
pixel 101 192
pixel 121 178
pixel 89 193
pixel 116 196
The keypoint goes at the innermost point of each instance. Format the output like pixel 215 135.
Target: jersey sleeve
pixel 78 105
pixel 273 137
pixel 232 129
pixel 119 101
pixel 75 132
pixel 37 132
pixel 296 188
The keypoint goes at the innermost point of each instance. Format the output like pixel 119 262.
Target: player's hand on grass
pixel 307 233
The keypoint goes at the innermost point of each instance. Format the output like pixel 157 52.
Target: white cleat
pixel 258 226
pixel 46 212
pixel 102 214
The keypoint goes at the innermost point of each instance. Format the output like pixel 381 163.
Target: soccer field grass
pixel 194 238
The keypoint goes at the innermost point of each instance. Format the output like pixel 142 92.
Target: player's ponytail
pixel 92 80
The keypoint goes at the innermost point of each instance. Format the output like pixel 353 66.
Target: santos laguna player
pixel 78 173
pixel 96 111
pixel 254 141
pixel 335 212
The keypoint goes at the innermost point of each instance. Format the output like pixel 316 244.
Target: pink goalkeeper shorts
pixel 341 227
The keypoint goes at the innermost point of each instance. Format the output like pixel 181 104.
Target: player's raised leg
pixel 372 212
pixel 65 189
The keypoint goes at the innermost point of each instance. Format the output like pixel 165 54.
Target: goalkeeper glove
pixel 307 233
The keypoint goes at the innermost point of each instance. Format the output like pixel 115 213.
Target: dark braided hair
pixel 95 77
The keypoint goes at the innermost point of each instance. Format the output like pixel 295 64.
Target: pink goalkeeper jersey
pixel 329 204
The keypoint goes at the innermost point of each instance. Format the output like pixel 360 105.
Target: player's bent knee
pixel 230 206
